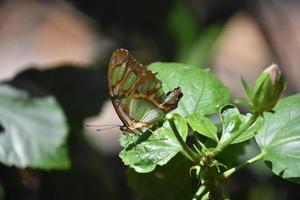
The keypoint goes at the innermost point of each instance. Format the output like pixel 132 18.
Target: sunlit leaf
pixel 202 92
pixel 34 131
pixel 233 121
pixel 144 152
pixel 280 138
pixel 203 125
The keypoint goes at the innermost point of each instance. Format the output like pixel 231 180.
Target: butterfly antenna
pixel 103 129
pixel 93 125
pixel 106 127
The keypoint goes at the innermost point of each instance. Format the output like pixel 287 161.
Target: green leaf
pixel 280 138
pixel 202 92
pixel 34 132
pixel 233 121
pixel 144 152
pixel 203 125
pixel 169 182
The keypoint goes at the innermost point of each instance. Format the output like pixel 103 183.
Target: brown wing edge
pixel 118 57
pixel 172 99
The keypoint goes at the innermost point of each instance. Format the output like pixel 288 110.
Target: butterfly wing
pixel 136 93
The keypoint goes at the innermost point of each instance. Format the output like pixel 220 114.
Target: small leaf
pixel 251 131
pixel 202 92
pixel 34 131
pixel 280 138
pixel 203 125
pixel 144 152
pixel 233 121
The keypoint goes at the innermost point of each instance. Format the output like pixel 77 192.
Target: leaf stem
pixel 231 171
pixel 186 150
pixel 199 192
pixel 221 146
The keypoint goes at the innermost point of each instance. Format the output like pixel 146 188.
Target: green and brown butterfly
pixel 137 94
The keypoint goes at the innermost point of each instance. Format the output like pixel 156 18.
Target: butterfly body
pixel 137 94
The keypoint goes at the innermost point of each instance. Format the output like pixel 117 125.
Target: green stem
pixel 186 150
pixel 199 192
pixel 229 172
pixel 221 146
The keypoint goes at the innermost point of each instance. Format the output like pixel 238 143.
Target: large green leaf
pixel 279 139
pixel 202 92
pixel 169 182
pixel 233 121
pixel 144 152
pixel 34 131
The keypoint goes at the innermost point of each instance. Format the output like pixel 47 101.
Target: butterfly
pixel 137 94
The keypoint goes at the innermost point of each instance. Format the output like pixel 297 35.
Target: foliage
pixel 233 120
pixel 279 139
pixel 190 153
pixel 141 155
pixel 202 92
pixel 145 152
pixel 277 132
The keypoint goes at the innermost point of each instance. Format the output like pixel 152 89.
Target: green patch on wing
pixel 118 73
pixel 144 111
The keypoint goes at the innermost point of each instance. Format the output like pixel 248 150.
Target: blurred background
pixel 63 48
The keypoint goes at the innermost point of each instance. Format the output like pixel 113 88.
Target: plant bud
pixel 267 89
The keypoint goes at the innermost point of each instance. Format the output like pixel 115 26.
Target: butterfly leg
pixel 156 135
pixel 130 134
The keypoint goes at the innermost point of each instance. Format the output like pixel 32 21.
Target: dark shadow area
pixel 2 129
pixel 80 91
pixel 12 182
